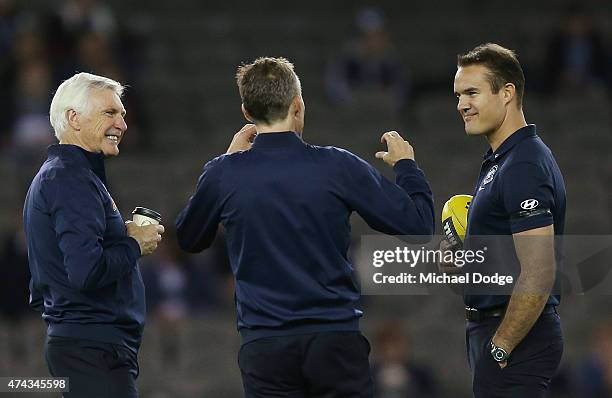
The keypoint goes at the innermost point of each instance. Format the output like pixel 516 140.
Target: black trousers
pixel 530 368
pixel 94 369
pixel 331 364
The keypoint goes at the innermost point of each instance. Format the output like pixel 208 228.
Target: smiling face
pixel 102 125
pixel 483 111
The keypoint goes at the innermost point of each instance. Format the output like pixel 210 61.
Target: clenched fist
pixel 147 236
pixel 397 148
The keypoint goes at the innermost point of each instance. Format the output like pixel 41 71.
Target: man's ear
pixel 246 114
pixel 508 92
pixel 73 119
pixel 296 105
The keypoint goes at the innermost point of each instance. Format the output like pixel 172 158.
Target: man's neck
pixel 514 122
pixel 71 139
pixel 285 125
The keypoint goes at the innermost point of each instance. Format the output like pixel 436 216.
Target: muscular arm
pixel 536 254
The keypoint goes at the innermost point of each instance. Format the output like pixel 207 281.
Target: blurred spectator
pixel 166 286
pixel 8 16
pixel 88 16
pixel 177 289
pixel 100 44
pixel 368 64
pixel 14 289
pixel 29 78
pixel 395 374
pixel 594 377
pixel 178 285
pixel 31 45
pixel 94 53
pixel 576 57
pixel 215 276
pixel 31 129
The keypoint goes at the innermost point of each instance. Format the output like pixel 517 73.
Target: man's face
pixel 483 112
pixel 102 125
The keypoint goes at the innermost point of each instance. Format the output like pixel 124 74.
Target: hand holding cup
pixel 145 229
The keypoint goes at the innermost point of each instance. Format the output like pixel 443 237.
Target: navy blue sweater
pixel 85 275
pixel 285 206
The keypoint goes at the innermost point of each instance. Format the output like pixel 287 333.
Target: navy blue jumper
pixel 285 206
pixel 84 266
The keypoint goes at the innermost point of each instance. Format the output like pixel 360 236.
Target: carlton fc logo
pixel 489 177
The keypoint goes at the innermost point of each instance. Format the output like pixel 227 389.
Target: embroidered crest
pixel 489 177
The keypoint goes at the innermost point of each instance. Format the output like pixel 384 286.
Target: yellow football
pixel 454 218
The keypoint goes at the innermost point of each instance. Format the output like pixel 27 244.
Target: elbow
pixel 192 247
pixel 426 229
pixel 186 241
pixel 426 224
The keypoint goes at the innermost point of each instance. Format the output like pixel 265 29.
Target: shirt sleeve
pixel 79 220
pixel 197 223
pixel 403 208
pixel 527 195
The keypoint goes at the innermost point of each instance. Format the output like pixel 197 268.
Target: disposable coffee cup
pixel 142 216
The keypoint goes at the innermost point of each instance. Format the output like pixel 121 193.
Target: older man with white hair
pixel 83 256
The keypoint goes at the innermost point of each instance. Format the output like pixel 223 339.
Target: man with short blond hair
pixel 285 206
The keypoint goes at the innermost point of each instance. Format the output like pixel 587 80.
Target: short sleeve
pixel 527 195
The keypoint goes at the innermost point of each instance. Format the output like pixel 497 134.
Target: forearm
pixel 114 262
pixel 522 313
pixel 192 235
pixel 197 223
pixel 535 251
pixel 412 180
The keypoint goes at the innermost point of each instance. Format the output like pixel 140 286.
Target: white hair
pixel 73 94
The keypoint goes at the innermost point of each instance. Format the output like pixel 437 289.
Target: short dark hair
pixel 267 86
pixel 503 66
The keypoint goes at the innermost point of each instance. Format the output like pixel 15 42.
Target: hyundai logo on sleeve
pixel 529 204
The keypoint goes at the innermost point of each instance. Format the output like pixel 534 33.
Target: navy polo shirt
pixel 520 187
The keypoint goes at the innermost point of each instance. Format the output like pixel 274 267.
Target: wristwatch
pixel 498 353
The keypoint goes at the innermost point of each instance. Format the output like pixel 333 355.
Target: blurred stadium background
pixel 365 68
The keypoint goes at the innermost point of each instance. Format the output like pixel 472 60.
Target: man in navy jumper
pixel 83 258
pixel 285 207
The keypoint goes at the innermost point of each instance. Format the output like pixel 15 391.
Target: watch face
pixel 498 355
